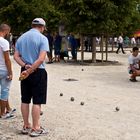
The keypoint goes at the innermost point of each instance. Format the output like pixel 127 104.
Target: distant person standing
pixel 74 45
pixel 50 39
pixel 30 54
pixel 126 41
pixel 57 46
pixel 133 41
pixel 86 43
pixel 115 41
pixel 120 44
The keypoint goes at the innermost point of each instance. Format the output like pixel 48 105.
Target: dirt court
pixel 101 88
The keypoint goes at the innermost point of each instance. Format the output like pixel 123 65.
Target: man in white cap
pixel 30 54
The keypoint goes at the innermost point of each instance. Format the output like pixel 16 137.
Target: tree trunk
pixel 93 49
pixel 106 48
pixel 112 45
pixel 82 48
pixel 102 53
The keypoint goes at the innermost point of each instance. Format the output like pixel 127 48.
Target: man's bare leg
pixel 8 108
pixel 3 106
pixel 137 73
pixel 36 109
pixel 25 114
pixel 0 107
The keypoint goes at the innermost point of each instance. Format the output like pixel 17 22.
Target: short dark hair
pixel 135 49
pixel 4 27
pixel 37 25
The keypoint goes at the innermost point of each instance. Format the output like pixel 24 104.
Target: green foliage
pixel 99 16
pixel 19 13
pixel 80 16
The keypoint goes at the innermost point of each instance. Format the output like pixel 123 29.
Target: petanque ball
pixel 117 109
pixel 61 94
pixel 82 69
pixel 82 103
pixel 21 78
pixel 72 98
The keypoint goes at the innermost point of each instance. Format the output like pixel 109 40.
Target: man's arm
pixel 8 64
pixel 18 59
pixel 32 67
pixel 38 62
pixel 132 67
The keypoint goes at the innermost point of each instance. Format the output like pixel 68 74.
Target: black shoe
pixel 41 113
pixel 50 62
pixel 133 80
pixel 116 52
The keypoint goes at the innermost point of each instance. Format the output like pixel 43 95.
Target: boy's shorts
pixel 130 71
pixel 34 87
pixel 5 85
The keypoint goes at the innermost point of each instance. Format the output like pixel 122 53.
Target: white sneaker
pixel 8 116
pixel 40 132
pixel 11 111
pixel 26 130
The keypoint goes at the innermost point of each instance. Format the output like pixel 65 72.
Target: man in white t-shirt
pixel 115 41
pixel 134 64
pixel 133 41
pixel 5 70
pixel 120 44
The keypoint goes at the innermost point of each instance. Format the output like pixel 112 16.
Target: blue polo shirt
pixel 30 44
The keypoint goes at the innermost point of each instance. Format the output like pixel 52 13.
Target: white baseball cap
pixel 39 21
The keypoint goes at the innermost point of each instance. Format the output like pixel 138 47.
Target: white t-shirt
pixel 134 61
pixel 133 41
pixel 115 39
pixel 120 39
pixel 4 46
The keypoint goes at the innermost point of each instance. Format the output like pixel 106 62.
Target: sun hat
pixel 39 21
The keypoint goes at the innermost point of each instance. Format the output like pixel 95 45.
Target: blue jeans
pixel 4 85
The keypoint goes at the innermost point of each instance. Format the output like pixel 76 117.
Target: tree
pixel 19 13
pixel 97 16
pixel 85 16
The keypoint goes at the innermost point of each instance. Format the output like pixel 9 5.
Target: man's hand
pixel 9 77
pixel 24 74
pixel 27 66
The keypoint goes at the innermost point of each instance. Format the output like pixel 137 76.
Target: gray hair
pixel 4 27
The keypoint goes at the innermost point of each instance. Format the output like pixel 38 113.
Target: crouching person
pixel 134 64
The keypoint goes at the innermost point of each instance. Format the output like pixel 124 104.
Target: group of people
pixel 133 59
pixel 61 46
pixel 30 53
pixel 122 42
